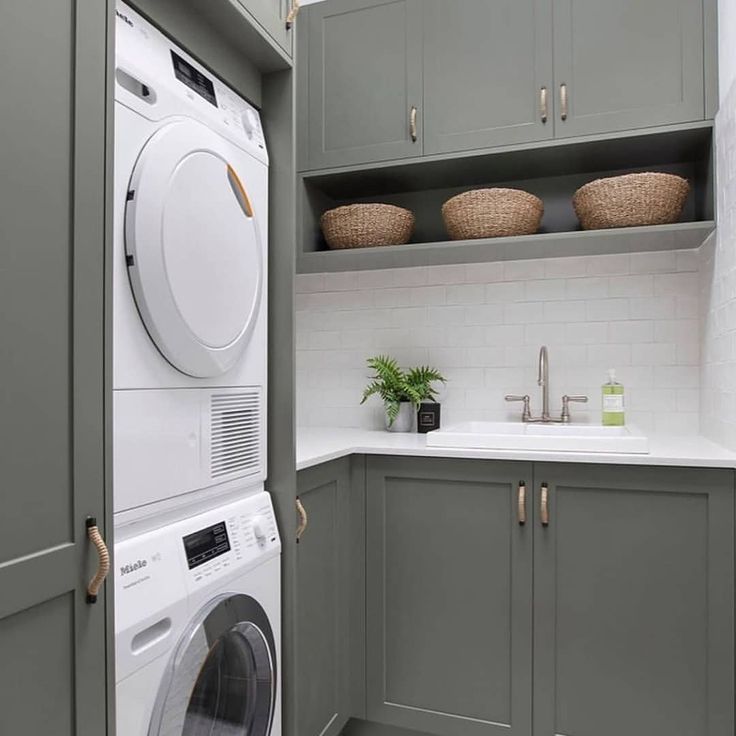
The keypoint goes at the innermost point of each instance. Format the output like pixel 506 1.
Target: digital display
pixel 206 544
pixel 194 79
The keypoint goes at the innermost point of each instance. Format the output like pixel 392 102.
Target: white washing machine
pixel 190 268
pixel 197 626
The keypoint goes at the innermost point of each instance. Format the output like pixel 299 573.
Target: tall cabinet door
pixel 634 586
pixel 627 64
pixel 487 73
pixel 323 589
pixel 449 595
pixel 364 81
pixel 53 668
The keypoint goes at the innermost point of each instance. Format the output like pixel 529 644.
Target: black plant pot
pixel 428 417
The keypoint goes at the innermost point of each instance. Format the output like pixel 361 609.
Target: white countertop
pixel 315 445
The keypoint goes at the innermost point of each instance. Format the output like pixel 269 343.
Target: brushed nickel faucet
pixel 543 382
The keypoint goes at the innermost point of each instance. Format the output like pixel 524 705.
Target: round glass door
pixel 221 680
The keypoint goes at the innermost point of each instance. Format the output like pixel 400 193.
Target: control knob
pixel 258 525
pixel 250 123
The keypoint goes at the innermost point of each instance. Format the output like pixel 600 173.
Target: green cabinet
pixel 611 610
pixel 481 74
pixel 364 81
pixel 271 15
pixel 487 73
pixel 627 64
pixel 449 597
pixel 56 669
pixel 327 596
pixel 633 601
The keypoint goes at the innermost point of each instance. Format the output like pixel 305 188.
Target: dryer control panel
pixel 158 79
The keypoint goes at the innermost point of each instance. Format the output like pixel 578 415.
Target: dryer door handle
pixel 240 191
pixel 303 519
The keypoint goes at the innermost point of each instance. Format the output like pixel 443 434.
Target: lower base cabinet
pixel 633 602
pixel 449 597
pixel 529 599
pixel 328 601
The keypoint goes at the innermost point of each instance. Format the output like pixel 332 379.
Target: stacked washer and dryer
pixel 197 552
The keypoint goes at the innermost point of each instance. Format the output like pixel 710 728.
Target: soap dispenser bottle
pixel 613 402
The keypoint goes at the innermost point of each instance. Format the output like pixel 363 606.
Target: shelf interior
pixel 552 172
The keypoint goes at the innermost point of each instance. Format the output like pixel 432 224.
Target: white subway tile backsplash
pixel 610 265
pixel 482 326
pixel 663 262
pixel 631 285
pixel 587 288
pixel 717 303
pixel 606 310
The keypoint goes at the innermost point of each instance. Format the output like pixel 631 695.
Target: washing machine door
pixel 193 248
pixel 221 680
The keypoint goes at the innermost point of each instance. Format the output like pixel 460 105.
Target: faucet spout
pixel 543 381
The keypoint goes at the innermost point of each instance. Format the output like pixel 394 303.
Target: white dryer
pixel 190 268
pixel 197 625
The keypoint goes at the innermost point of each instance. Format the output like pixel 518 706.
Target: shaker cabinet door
pixel 487 73
pixel 272 15
pixel 633 601
pixel 323 577
pixel 55 672
pixel 364 81
pixel 449 596
pixel 623 64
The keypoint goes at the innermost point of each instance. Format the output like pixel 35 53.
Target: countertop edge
pixel 325 445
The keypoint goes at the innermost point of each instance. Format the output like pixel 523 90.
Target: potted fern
pixel 402 391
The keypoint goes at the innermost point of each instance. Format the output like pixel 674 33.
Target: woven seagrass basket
pixel 367 226
pixel 631 200
pixel 492 213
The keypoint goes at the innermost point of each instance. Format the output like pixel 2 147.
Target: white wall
pixel 718 258
pixel 727 45
pixel 482 326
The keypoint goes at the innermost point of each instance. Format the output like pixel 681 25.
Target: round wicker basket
pixel 492 213
pixel 367 226
pixel 630 200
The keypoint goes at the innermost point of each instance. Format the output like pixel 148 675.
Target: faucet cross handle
pixel 566 399
pixel 526 413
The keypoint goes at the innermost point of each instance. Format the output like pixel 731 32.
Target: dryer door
pixel 221 680
pixel 193 249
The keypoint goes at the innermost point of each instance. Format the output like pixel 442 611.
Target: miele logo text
pixel 124 18
pixel 132 567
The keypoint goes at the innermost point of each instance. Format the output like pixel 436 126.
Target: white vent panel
pixel 235 434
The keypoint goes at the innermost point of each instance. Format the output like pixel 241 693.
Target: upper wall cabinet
pixel 364 81
pixel 627 64
pixel 272 15
pixel 487 76
pixel 391 79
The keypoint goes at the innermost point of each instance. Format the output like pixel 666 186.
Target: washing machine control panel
pixel 231 537
pixel 156 569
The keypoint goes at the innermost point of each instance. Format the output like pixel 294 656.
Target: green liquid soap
pixel 613 402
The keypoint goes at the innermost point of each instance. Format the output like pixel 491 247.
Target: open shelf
pixel 680 236
pixel 551 170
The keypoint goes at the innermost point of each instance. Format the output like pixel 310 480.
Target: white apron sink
pixel 543 437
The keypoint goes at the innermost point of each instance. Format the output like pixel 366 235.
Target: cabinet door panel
pixel 322 601
pixel 485 65
pixel 364 77
pixel 271 14
pixel 54 666
pixel 634 602
pixel 448 597
pixel 628 64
